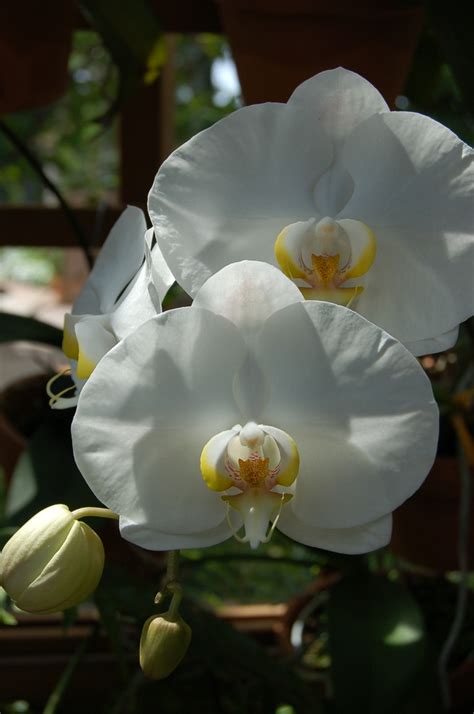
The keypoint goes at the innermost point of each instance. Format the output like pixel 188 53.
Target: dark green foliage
pixel 381 657
pixel 17 327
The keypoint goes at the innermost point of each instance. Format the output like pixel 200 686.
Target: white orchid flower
pixel 252 407
pixel 124 289
pixel 358 205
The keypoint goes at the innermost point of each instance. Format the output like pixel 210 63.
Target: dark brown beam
pixel 43 226
pixel 178 16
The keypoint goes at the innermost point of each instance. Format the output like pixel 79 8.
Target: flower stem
pixel 171 577
pixel 92 512
pixel 177 594
pixel 172 566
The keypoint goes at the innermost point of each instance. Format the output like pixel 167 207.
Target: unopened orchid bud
pixel 164 641
pixel 53 562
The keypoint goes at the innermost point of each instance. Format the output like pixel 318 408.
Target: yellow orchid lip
pixel 323 256
pixel 260 462
pixel 70 344
pixel 85 365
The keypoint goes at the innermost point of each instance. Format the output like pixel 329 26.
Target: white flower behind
pixel 255 407
pixel 357 204
pixel 124 289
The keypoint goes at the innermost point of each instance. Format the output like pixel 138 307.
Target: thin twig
pixel 463 585
pixel 35 164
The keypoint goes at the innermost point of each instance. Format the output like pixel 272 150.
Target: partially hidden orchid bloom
pixel 124 289
pixel 253 409
pixel 358 205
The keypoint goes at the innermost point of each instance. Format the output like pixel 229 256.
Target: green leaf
pixel 17 327
pixel 379 649
pixel 47 473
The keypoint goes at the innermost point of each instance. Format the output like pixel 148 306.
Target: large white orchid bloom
pixel 255 406
pixel 358 205
pixel 124 289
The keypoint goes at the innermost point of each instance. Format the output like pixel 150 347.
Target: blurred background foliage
pixel 80 154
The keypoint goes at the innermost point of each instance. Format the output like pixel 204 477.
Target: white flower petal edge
pixel 118 261
pixel 359 539
pixel 153 539
pixel 339 100
pixel 236 293
pixel 333 151
pixel 343 431
pixel 125 288
pixel 437 344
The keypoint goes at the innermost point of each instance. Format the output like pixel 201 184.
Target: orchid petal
pixel 135 306
pixel 436 344
pixel 147 411
pixel 339 100
pixel 358 406
pixel 414 189
pixel 95 339
pixel 118 261
pixel 413 302
pixel 247 293
pixel 256 170
pixel 333 190
pixel 340 296
pixel 358 539
pixel 151 538
pixel 162 277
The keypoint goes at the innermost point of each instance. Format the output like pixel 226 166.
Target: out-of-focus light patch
pixel 225 81
pixel 184 93
pixel 402 102
pixel 26 266
pixel 82 75
pixel 403 634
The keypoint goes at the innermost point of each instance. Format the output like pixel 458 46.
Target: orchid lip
pixel 324 256
pixel 255 465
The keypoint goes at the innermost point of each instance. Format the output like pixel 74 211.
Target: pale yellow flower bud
pixel 164 642
pixel 53 562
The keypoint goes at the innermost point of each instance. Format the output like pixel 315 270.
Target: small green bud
pixel 52 562
pixel 164 642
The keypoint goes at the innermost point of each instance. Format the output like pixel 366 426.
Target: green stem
pixel 58 692
pixel 93 512
pixel 173 609
pixel 172 566
pixel 171 577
